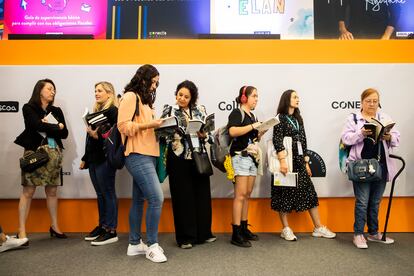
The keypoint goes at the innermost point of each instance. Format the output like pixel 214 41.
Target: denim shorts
pixel 243 166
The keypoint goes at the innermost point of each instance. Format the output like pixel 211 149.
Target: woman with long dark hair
pixel 44 126
pixel 136 121
pixel 303 197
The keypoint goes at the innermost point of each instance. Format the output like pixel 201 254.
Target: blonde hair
pixel 109 88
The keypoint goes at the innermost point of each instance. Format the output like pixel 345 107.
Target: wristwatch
pixel 306 158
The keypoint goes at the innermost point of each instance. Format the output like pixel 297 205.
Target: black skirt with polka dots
pixel 303 197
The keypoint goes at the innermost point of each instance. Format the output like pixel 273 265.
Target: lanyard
pixel 295 126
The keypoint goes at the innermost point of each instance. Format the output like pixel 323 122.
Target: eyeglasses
pixel 371 101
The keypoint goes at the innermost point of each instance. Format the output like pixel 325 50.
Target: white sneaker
pixel 287 234
pixel 323 232
pixel 378 238
pixel 212 239
pixel 12 242
pixel 186 246
pixel 156 254
pixel 360 242
pixel 137 249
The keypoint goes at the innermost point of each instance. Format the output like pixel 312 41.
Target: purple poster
pixel 58 17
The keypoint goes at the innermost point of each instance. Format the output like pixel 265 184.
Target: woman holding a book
pixel 303 197
pixel 190 191
pixel 101 173
pixel 136 121
pixel 45 127
pixel 245 157
pixel 365 144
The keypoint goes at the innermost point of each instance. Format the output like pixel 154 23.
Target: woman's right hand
pixel 82 165
pixel 366 132
pixel 283 166
pixel 255 125
pixel 155 123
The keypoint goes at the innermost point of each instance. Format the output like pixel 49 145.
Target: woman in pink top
pixel 136 120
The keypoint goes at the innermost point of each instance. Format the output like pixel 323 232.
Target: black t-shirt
pixel 240 143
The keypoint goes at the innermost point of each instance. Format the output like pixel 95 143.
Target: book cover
pixel 382 128
pixel 168 127
pixel 266 125
pixel 197 125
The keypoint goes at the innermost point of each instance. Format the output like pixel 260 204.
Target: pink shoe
pixel 378 238
pixel 360 242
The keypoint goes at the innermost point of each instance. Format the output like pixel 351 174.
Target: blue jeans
pixel 367 200
pixel 103 180
pixel 145 186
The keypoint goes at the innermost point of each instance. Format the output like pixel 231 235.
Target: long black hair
pixel 35 98
pixel 141 83
pixel 284 104
pixel 193 91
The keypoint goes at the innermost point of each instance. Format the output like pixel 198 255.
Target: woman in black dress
pixel 303 197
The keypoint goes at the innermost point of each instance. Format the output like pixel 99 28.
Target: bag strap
pixel 133 116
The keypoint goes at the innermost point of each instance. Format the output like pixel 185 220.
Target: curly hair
pixel 193 91
pixel 141 83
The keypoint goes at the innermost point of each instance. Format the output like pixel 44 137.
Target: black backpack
pixel 114 148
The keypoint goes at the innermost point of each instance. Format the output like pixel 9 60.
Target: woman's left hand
pixel 387 136
pixel 308 169
pixel 92 133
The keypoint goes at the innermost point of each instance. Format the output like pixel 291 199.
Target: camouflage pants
pixel 48 174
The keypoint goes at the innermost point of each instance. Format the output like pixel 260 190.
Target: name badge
pixel 300 150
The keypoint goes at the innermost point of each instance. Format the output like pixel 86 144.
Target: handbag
pixel 33 160
pixel 202 162
pixel 365 170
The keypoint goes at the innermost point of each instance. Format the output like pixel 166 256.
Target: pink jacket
pixel 352 136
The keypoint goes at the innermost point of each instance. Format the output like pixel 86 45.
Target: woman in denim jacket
pixel 368 195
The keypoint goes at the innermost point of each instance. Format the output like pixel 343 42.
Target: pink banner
pixel 67 17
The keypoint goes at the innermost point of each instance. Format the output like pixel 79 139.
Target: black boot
pixel 237 237
pixel 247 234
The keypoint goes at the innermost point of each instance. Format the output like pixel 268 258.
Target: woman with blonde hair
pixel 101 173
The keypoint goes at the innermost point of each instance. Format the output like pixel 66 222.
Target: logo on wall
pixel 316 164
pixel 9 106
pixel 346 104
pixel 222 106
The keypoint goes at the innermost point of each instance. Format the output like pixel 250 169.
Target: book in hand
pixel 51 119
pixel 288 180
pixel 95 119
pixel 168 127
pixel 196 125
pixel 378 129
pixel 264 126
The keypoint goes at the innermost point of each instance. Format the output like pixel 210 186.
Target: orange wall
pixel 81 215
